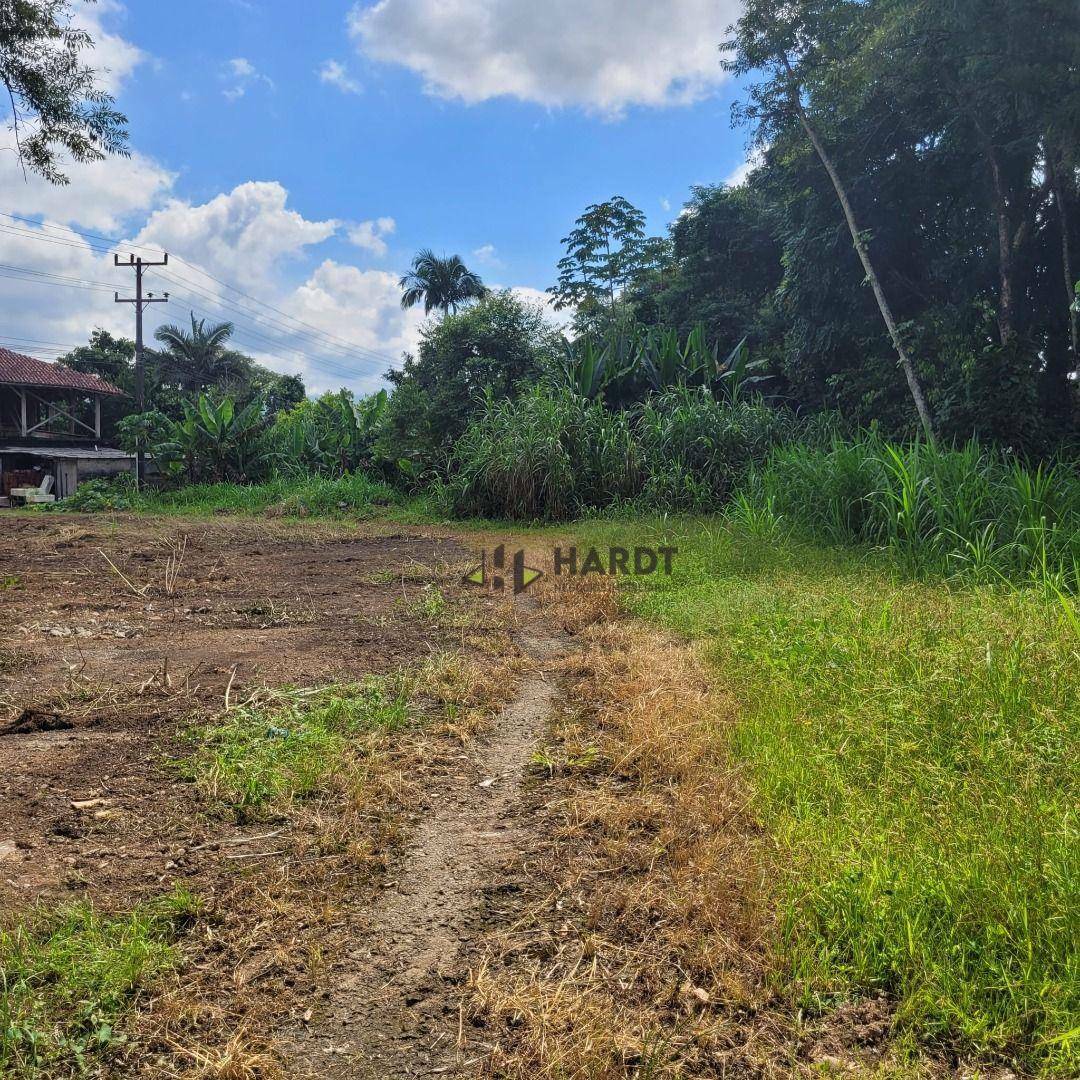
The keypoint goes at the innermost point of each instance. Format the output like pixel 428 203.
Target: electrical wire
pixel 340 343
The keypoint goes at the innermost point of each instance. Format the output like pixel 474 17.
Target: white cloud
pixel 363 307
pixel 113 57
pixel 242 235
pixel 100 196
pixel 739 175
pixel 242 75
pixel 370 235
pixel 333 73
pixel 604 55
pixel 249 237
pixel 487 255
pixel 665 203
pixel 56 306
pixel 561 319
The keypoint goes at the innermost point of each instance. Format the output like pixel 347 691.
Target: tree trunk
pixel 1066 260
pixel 1006 290
pixel 864 257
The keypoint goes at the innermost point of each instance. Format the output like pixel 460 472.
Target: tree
pixel 56 105
pixel 722 273
pixel 198 358
pixel 602 252
pixel 112 359
pixel 498 345
pixel 280 393
pixel 444 283
pixel 797 45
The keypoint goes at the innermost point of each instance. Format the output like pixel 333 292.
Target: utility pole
pixel 140 301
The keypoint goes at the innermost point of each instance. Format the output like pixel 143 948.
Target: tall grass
pixel 551 454
pixel 971 511
pixel 912 752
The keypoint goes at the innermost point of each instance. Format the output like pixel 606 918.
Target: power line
pixel 37 341
pixel 358 352
pixel 362 352
pixel 341 343
pixel 41 277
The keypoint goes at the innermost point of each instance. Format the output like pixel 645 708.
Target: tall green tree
pixel 55 104
pixel 796 49
pixel 721 272
pixel 603 252
pixel 497 346
pixel 444 283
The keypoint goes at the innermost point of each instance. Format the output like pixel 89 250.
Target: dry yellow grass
pixel 649 952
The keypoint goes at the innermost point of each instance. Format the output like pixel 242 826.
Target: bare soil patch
pixel 101 670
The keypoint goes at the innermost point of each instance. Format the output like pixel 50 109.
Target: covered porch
pixel 31 412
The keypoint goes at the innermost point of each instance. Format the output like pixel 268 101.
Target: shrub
pixel 698 448
pixel 498 346
pixel 967 510
pixel 552 454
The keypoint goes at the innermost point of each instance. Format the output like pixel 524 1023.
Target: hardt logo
pixel 521 576
pixel 613 561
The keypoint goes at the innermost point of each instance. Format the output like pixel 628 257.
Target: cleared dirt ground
pixel 97 672
pixel 116 635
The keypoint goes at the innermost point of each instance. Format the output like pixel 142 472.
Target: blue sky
pixel 304 152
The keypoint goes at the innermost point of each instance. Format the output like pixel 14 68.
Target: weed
pixel 71 975
pixel 256 755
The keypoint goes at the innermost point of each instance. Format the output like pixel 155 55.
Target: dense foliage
pixel 57 105
pixel 553 454
pixel 953 129
pixel 497 346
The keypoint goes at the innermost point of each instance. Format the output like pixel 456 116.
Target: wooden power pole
pixel 140 301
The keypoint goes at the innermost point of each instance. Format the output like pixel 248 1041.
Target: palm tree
pixel 199 357
pixel 440 283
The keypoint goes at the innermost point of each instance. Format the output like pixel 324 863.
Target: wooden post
pixel 22 398
pixel 97 416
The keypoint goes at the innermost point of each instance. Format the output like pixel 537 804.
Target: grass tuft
pixel 70 977
pixel 292 748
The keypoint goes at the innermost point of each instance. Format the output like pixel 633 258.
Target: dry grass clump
pixel 648 956
pixel 465 692
pixel 575 603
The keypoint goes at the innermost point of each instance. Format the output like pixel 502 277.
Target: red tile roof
pixel 26 371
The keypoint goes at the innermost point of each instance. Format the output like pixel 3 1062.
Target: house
pixel 50 424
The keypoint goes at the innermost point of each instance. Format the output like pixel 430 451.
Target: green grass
pixel 346 496
pixel 292 749
pixel 70 976
pixel 967 512
pixel 912 750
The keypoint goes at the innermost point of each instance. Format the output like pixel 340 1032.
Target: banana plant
pixel 217 442
pixel 584 368
pixel 736 375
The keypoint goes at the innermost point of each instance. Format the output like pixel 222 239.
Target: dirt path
pixel 390 1006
